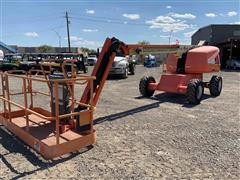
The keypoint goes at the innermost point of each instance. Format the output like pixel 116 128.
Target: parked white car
pixel 1 55
pixel 120 67
pixel 233 63
pixel 91 60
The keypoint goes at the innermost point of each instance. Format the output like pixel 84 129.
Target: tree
pixel 143 42
pixel 45 48
pixel 89 51
pixel 92 51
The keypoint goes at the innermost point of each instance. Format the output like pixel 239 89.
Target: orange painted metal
pixel 105 75
pixel 171 63
pixel 40 128
pixel 106 47
pixel 198 61
pixel 174 83
pixel 107 44
pixel 69 141
pixel 152 46
pixel 203 59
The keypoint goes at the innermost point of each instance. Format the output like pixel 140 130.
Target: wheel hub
pixel 219 85
pixel 199 92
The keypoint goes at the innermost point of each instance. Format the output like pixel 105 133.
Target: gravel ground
pixel 158 138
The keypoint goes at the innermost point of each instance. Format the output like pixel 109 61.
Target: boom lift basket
pixel 50 131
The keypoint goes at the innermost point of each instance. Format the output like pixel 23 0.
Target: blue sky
pixel 33 23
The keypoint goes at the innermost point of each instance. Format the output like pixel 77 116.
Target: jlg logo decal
pixel 211 61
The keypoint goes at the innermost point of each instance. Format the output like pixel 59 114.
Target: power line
pixel 109 18
pixel 99 19
pixel 104 17
pixel 42 16
pixel 31 20
pixel 109 21
pixel 36 19
pixel 38 31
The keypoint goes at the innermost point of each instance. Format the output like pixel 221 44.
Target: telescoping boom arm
pixel 105 60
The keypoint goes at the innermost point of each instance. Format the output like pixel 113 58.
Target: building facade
pixel 225 36
pixel 23 50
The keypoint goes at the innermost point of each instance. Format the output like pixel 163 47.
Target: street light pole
pixel 59 38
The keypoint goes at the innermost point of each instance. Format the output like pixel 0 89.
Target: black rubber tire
pixel 234 67
pixel 192 95
pixel 86 69
pixel 215 85
pixel 143 86
pixel 132 70
pixel 125 75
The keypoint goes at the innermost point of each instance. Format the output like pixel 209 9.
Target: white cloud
pixel 237 22
pixel 88 44
pixel 31 34
pixel 74 38
pixel 90 11
pixel 167 24
pixel 193 26
pixel 212 15
pixel 78 41
pixel 183 16
pixel 132 16
pixel 189 34
pixel 168 7
pixel 90 30
pixel 164 36
pixel 163 19
pixel 232 13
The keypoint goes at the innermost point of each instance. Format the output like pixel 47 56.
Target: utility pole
pixel 68 34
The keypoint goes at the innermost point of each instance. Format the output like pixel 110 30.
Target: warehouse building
pixel 7 49
pixel 19 49
pixel 225 36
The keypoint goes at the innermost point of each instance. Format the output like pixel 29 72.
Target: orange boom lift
pixel 184 75
pixel 68 125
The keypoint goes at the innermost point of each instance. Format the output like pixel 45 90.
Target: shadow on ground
pixel 14 146
pixel 175 98
pixel 114 77
pixel 117 116
pixel 230 70
pixel 160 98
pixel 117 77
